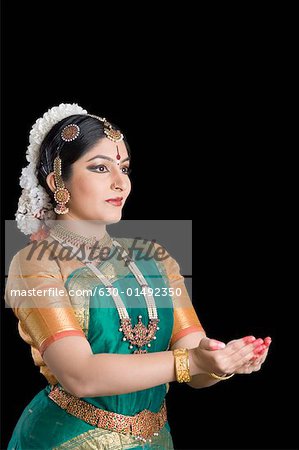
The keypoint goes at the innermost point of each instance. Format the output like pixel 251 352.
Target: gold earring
pixel 61 194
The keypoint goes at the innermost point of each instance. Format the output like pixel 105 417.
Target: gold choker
pixel 67 236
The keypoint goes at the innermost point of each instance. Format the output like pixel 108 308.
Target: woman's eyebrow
pixel 106 157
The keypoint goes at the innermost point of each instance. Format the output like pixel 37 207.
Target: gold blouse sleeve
pixel 185 317
pixel 35 291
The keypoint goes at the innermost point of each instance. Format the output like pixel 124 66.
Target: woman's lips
pixel 115 201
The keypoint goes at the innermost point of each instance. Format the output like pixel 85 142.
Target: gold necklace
pixel 140 335
pixel 77 240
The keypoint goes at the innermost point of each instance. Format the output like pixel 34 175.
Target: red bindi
pixel 118 155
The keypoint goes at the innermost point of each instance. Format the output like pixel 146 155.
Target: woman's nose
pixel 119 183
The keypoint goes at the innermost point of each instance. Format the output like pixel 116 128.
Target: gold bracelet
pixel 182 370
pixel 222 377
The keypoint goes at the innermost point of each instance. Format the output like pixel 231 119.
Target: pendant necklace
pixel 140 335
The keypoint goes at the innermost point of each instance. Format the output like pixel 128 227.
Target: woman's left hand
pixel 256 362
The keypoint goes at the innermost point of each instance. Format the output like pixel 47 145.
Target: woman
pixel 109 321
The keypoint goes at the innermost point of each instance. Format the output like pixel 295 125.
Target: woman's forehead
pixel 109 148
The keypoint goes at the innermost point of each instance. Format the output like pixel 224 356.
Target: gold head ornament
pixel 111 133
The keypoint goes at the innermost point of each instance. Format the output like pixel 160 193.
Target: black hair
pixel 91 132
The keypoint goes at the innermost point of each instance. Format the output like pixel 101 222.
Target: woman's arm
pixel 85 374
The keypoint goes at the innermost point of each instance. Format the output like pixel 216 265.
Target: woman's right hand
pixel 214 356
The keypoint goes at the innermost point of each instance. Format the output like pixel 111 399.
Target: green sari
pixel 45 425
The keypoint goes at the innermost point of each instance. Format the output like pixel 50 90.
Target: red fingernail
pixel 267 341
pixel 248 339
pixel 259 341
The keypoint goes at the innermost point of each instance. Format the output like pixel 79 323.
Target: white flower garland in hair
pixel 35 207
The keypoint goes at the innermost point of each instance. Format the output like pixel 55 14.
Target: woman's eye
pixel 126 170
pixel 100 169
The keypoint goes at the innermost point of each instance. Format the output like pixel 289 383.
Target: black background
pixel 199 109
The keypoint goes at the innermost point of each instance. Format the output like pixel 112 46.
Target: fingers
pixel 245 354
pixel 249 367
pixel 233 346
pixel 259 359
pixel 246 369
pixel 245 340
pixel 267 341
pixel 231 342
pixel 241 347
pixel 241 354
pixel 237 344
pixel 262 355
pixel 255 363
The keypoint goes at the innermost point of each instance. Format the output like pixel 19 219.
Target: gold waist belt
pixel 143 425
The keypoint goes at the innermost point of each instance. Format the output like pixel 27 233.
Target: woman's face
pixel 99 184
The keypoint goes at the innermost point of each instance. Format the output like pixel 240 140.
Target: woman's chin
pixel 109 219
pixel 104 217
pixel 114 220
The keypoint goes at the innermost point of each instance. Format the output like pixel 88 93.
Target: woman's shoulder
pixel 37 253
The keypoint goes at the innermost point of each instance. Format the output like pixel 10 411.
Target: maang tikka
pixel 111 133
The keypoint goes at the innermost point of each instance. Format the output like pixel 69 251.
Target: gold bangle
pixel 182 370
pixel 222 377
